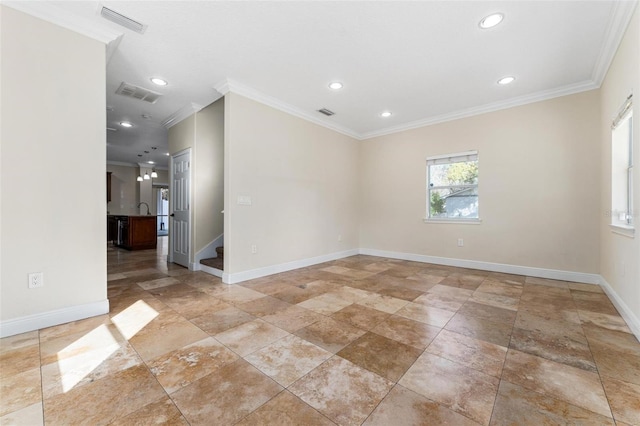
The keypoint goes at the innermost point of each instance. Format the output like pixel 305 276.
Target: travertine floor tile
pixel 501 288
pixel 28 416
pixel 329 334
pixel 159 282
pixel 226 395
pixel 516 405
pixel 21 357
pixel 439 301
pixel 19 341
pixel 407 331
pixel 382 303
pixel 161 412
pixel 385 357
pixel 426 314
pixel 186 365
pixel 251 336
pixel 293 318
pixel 570 384
pixel 498 333
pixel 105 400
pixel 486 312
pixel 20 391
pixel 264 306
pixel 288 359
pixel 404 407
pixel 462 389
pixel 342 391
pixel 234 294
pixel 325 304
pixel 285 409
pixel 610 322
pixel 360 316
pixel 223 320
pixel 624 399
pixel 473 353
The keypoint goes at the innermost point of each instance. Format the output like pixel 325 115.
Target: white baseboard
pixel 553 274
pixel 283 267
pixel 211 271
pixel 50 318
pixel 209 251
pixel 627 314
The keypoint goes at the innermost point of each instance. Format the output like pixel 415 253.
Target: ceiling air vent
pixel 326 112
pixel 122 20
pixel 137 92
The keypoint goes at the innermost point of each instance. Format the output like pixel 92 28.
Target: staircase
pixel 215 262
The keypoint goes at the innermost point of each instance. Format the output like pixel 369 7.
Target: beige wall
pixel 203 132
pixel 302 180
pixel 209 175
pixel 124 189
pixel 620 255
pixel 53 212
pixel 538 187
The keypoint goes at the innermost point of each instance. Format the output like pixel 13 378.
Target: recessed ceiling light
pixel 167 154
pixel 385 114
pixel 491 20
pixel 126 124
pixel 150 162
pixel 506 80
pixel 336 85
pixel 159 81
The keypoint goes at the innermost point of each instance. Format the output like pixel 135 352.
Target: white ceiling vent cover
pixel 122 20
pixel 138 92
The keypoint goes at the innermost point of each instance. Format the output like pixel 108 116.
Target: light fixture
pixel 151 162
pixel 167 154
pixel 154 174
pixel 126 124
pixel 506 80
pixel 139 178
pixel 336 85
pixel 159 81
pixel 385 114
pixel 146 176
pixel 491 20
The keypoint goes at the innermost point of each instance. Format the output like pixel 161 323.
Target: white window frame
pixel 622 220
pixel 459 157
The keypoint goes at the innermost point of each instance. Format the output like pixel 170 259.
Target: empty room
pixel 319 213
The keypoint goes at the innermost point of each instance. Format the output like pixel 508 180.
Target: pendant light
pixel 154 174
pixel 139 178
pixel 146 176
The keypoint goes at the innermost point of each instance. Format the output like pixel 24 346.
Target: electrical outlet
pixel 254 248
pixel 460 242
pixel 36 280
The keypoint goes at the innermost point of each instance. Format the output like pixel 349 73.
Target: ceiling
pixel 426 62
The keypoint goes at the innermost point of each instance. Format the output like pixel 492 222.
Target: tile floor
pixel 362 340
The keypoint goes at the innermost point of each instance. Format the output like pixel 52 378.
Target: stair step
pixel 220 251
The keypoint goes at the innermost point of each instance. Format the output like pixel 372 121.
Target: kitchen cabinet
pixel 136 232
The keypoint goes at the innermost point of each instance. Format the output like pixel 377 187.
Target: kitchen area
pixel 137 211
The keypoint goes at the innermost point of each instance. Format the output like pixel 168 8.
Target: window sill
pixel 450 220
pixel 627 231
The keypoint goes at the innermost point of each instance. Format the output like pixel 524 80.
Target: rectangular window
pixel 452 187
pixel 622 168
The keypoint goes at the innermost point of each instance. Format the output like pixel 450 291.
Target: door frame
pixel 190 203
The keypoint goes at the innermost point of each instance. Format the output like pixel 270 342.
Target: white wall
pixel 538 187
pixel 620 255
pixel 53 212
pixel 303 184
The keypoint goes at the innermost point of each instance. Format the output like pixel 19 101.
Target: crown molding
pixel 49 12
pixel 121 163
pixel 483 109
pixel 184 112
pixel 618 22
pixel 228 85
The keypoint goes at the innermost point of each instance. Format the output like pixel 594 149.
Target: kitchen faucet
pixel 139 204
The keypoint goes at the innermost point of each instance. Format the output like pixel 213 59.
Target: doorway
pixel 180 217
pixel 162 210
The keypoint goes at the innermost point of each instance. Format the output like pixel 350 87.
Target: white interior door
pixel 180 204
